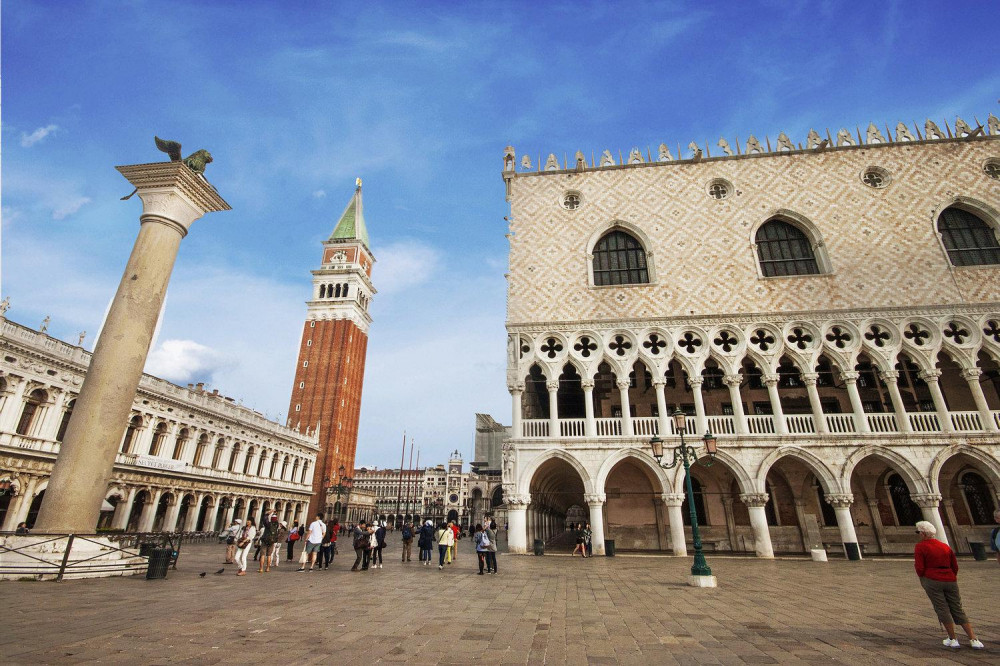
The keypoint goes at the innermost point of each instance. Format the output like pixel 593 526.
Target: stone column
pixel 590 427
pixel 623 386
pixel 944 418
pixel 662 523
pixel 678 541
pixel 928 503
pixel 949 513
pixel 553 388
pixel 230 510
pixel 758 522
pixel 891 379
pixel 819 420
pixel 18 509
pixel 515 406
pixel 122 511
pixel 662 418
pixel 191 520
pixel 174 510
pixel 517 534
pixel 850 378
pixel 845 521
pixel 13 405
pixel 173 196
pixel 700 420
pixel 878 527
pixel 739 416
pixel 148 515
pixel 971 376
pixel 211 516
pixel 778 414
pixel 596 503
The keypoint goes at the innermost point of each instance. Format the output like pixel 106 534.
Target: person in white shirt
pixel 314 540
pixel 244 543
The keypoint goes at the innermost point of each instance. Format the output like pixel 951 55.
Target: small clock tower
pixel 330 370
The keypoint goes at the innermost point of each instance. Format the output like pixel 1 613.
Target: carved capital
pixel 810 378
pixel 926 500
pixel 771 380
pixel 623 384
pixel 659 382
pixel 929 376
pixel 516 388
pixel 890 376
pixel 971 374
pixel 552 385
pixel 850 376
pixel 754 499
pixel 673 499
pixel 732 380
pixel 840 501
pixel 596 498
pixel 695 381
pixel 517 501
pixel 587 384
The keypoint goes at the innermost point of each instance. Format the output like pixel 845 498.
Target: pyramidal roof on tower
pixel 352 222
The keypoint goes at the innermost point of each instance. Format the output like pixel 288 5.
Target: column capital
pixel 839 500
pixel 771 380
pixel 971 374
pixel 552 385
pixel 659 382
pixel 673 499
pixel 850 376
pixel 517 387
pixel 587 384
pixel 754 499
pixel 695 381
pixel 926 500
pixel 929 376
pixel 518 501
pixel 732 380
pixel 623 384
pixel 890 376
pixel 172 193
pixel 595 498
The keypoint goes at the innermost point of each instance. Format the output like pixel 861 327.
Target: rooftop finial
pixel 357 181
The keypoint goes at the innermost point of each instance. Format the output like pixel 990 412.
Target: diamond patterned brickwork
pixel 881 243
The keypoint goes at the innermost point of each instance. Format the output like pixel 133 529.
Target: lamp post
pixel 701 573
pixel 343 486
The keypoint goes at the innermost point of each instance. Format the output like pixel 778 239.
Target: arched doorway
pixel 166 500
pixel 135 515
pixel 557 490
pixel 969 497
pixel 883 508
pixel 206 504
pixel 36 504
pixel 634 514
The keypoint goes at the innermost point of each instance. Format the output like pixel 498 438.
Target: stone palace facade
pixel 189 460
pixel 830 311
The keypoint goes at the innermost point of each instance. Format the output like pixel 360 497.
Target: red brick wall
pixel 331 396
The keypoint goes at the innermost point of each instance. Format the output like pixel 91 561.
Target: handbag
pixel 243 543
pixel 230 540
pixel 294 536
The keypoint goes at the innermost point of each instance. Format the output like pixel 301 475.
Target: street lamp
pixel 687 454
pixel 342 487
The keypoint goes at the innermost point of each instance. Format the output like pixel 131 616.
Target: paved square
pixel 552 610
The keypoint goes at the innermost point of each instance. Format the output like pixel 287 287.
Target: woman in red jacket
pixel 937 569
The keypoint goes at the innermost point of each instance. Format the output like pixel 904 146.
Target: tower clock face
pixel 453 498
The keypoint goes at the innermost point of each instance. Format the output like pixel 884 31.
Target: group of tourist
pixel 583 539
pixel 242 537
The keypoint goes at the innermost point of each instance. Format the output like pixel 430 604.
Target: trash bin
pixel 609 547
pixel 539 547
pixel 978 550
pixel 159 560
pixel 146 549
pixel 853 551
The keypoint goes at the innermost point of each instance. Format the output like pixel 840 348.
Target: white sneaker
pixel 976 644
pixel 951 643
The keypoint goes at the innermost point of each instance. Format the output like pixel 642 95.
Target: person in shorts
pixel 314 541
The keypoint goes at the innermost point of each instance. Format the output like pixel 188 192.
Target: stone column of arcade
pixel 678 540
pixel 929 503
pixel 596 503
pixel 173 196
pixel 755 503
pixel 845 522
pixel 517 522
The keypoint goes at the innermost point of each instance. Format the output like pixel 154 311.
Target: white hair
pixel 925 527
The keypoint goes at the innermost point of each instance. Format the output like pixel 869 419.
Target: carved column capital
pixel 840 501
pixel 595 498
pixel 695 381
pixel 890 376
pixel 850 376
pixel 971 374
pixel 929 376
pixel 517 501
pixel 732 380
pixel 926 500
pixel 552 385
pixel 754 499
pixel 673 499
pixel 771 380
pixel 587 384
pixel 517 387
pixel 659 382
pixel 623 384
pixel 810 378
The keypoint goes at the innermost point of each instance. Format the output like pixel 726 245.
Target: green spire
pixel 352 223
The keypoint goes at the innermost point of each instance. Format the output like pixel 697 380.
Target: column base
pixel 819 554
pixel 39 558
pixel 703 581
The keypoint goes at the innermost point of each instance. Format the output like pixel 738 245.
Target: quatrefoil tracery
pixel 993 330
pixel 654 344
pixel 726 341
pixel 915 334
pixel 877 336
pixel 620 345
pixel 838 336
pixel 762 339
pixel 689 342
pixel 800 338
pixel 956 332
pixel 585 346
pixel 551 347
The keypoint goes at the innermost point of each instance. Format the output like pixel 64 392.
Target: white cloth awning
pixel 107 506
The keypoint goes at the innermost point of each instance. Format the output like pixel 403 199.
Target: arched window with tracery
pixel 969 240
pixel 182 438
pixel 907 511
pixel 619 258
pixel 32 406
pixel 978 497
pixel 159 434
pixel 133 425
pixel 784 249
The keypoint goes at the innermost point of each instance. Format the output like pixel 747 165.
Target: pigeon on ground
pixel 221 571
pixel 202 574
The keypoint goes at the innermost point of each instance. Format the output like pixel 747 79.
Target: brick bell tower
pixel 331 366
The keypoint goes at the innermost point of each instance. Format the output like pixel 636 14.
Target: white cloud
pixel 28 140
pixel 70 207
pixel 319 194
pixel 405 264
pixel 185 361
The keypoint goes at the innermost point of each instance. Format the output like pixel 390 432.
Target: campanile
pixel 331 364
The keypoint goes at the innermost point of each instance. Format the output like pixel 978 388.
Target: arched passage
pixel 968 487
pixel 883 485
pixel 557 493
pixel 634 514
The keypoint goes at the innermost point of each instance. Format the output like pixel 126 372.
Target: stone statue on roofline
pixel 902 133
pixel 607 159
pixel 813 139
pixel 508 158
pixel 525 162
pixel 873 135
pixel 552 163
pixel 932 131
pixel 994 124
pixel 753 145
pixel 961 127
pixel 725 146
pixel 664 153
pixel 844 138
pixel 784 143
pixel 635 156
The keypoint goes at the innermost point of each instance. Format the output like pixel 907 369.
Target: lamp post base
pixel 703 581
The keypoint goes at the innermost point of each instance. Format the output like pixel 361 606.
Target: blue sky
pixel 296 99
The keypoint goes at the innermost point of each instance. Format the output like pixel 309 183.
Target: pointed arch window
pixel 978 497
pixel 969 240
pixel 619 258
pixel 784 249
pixel 907 511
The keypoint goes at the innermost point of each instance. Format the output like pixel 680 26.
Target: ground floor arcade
pixel 771 497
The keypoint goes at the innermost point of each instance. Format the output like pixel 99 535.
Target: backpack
pixel 360 541
pixel 995 539
pixel 407 533
pixel 484 539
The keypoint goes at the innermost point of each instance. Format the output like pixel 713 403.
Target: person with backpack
pixel 379 545
pixel 329 544
pixel 482 541
pixel 425 542
pixel 491 549
pixel 407 533
pixel 995 535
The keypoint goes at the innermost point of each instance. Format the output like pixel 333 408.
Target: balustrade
pixel 879 423
pixel 721 425
pixel 839 423
pixel 966 421
pixel 924 422
pixel 800 424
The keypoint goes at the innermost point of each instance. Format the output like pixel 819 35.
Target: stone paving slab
pixel 538 610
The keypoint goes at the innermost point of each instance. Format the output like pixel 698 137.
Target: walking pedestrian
pixel 359 537
pixel 995 535
pixel 329 540
pixel 587 536
pixel 937 569
pixel 426 542
pixel 407 533
pixel 244 543
pixel 234 534
pixel 457 533
pixel 445 539
pixel 580 543
pixel 276 550
pixel 270 535
pixel 482 541
pixel 491 550
pixel 379 545
pixel 314 541
pixel 293 536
